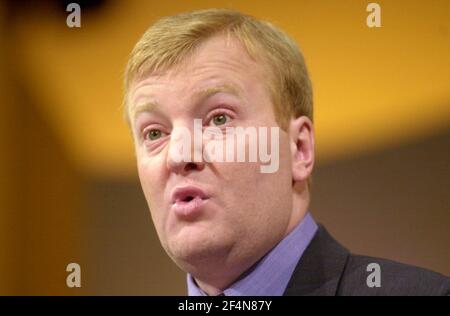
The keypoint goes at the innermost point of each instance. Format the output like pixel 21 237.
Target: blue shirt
pixel 270 276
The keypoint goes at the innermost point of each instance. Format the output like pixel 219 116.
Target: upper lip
pixel 182 193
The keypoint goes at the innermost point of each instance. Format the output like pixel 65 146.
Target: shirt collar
pixel 270 275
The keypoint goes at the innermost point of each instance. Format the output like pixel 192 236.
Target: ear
pixel 301 136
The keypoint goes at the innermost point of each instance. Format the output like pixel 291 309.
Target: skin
pixel 248 212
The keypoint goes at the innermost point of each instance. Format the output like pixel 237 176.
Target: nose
pixel 185 153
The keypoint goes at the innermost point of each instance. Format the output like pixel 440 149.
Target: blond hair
pixel 171 39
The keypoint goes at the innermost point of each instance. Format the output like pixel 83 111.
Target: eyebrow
pixel 199 96
pixel 208 92
pixel 145 107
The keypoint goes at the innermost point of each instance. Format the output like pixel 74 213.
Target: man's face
pixel 203 211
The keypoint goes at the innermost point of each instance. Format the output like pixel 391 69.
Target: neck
pixel 214 276
pixel 300 205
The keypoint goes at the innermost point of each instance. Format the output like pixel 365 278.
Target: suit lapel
pixel 320 268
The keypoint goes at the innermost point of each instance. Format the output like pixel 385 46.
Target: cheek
pixel 244 188
pixel 285 157
pixel 151 177
pixel 263 191
pixel 251 183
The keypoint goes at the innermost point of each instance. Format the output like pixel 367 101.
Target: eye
pixel 219 119
pixel 153 134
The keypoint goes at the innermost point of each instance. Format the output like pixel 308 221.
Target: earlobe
pixel 302 148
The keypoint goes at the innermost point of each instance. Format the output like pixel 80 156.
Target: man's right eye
pixel 153 134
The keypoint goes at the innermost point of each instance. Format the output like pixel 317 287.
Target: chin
pixel 196 248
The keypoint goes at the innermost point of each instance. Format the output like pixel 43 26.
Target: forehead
pixel 221 61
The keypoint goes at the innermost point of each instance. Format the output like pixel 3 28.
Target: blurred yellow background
pixel 375 89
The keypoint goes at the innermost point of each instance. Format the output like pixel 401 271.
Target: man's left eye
pixel 219 119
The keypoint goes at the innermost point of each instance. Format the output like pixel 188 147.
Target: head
pixel 229 70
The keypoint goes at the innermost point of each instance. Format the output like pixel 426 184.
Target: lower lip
pixel 188 209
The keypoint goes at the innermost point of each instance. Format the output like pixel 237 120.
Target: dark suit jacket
pixel 327 268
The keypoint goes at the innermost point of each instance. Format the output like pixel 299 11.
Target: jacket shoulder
pixel 365 275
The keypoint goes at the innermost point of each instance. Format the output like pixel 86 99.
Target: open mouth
pixel 188 198
pixel 187 201
pixel 187 194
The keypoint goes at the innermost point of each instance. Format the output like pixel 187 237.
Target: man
pixel 234 227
